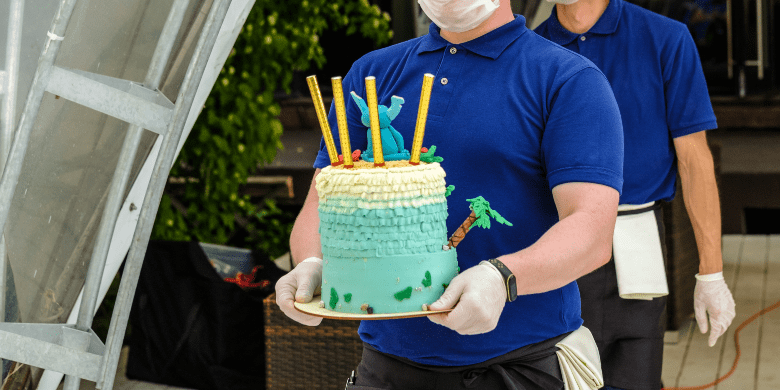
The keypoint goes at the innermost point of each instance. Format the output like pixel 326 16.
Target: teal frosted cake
pixel 383 232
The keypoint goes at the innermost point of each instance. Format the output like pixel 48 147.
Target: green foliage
pixel 269 229
pixel 238 129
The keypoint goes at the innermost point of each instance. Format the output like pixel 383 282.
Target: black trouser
pixel 533 367
pixel 628 332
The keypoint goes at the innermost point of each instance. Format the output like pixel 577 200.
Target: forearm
pixel 575 246
pixel 700 194
pixel 305 236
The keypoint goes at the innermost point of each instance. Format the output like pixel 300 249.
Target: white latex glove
pixel 300 285
pixel 712 296
pixel 478 296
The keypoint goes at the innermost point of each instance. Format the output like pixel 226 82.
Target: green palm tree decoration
pixel 480 217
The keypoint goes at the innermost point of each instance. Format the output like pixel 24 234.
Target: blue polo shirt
pixel 513 115
pixel 654 68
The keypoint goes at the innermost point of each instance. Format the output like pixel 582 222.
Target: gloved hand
pixel 478 296
pixel 300 284
pixel 712 296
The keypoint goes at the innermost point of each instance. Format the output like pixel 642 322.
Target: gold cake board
pixel 313 308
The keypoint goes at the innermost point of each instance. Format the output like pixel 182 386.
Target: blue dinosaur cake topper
pixel 381 135
pixel 392 140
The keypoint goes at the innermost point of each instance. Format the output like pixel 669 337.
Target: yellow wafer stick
pixel 319 106
pixel 422 115
pixel 373 113
pixel 341 118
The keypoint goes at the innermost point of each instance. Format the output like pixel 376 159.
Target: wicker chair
pixel 307 357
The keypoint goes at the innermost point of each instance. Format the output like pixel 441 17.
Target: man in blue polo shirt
pixel 541 139
pixel 654 69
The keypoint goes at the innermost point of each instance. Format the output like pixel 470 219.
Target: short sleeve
pixel 688 105
pixel 583 136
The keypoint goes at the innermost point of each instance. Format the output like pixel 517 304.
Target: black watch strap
pixel 509 279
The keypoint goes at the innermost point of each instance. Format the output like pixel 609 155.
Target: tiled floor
pixel 752 270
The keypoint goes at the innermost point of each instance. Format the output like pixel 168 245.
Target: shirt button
pixel 453 50
pixel 444 81
pixel 582 38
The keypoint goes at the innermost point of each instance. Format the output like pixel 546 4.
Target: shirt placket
pixel 446 80
pixel 583 41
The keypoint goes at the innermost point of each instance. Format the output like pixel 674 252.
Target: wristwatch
pixel 509 279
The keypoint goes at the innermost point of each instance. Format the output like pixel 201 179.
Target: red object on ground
pixel 247 281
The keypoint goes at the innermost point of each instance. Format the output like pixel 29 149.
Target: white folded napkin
pixel 639 262
pixel 580 362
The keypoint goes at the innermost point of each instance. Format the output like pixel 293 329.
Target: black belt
pixel 654 206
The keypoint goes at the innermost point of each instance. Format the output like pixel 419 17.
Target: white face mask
pixel 564 2
pixel 458 15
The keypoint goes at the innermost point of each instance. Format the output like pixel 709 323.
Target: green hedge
pixel 238 129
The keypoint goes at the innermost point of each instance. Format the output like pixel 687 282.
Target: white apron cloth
pixel 580 362
pixel 639 262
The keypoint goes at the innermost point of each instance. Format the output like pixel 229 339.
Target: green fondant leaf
pixel 429 156
pixel 499 218
pixel 334 298
pixel 483 212
pixel 404 294
pixel 427 281
pixel 449 190
pixel 347 297
pixel 482 222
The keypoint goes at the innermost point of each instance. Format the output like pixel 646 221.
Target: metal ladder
pixel 75 350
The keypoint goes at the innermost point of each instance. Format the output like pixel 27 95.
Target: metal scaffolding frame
pixel 74 349
pixel 8 87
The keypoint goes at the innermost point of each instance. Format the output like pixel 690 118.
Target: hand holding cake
pixel 300 285
pixel 477 295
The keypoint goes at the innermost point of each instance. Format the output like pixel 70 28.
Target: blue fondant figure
pixel 392 141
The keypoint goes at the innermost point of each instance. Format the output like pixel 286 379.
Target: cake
pixel 383 233
pixel 383 212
